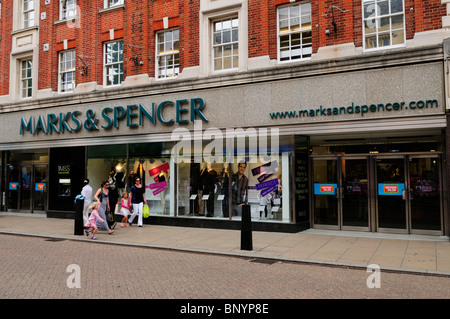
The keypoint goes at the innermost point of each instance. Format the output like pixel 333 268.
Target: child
pixel 125 209
pixel 91 223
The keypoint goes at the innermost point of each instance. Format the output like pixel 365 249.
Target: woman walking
pixel 137 196
pixel 102 196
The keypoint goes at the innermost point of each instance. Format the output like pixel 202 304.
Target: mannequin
pixel 210 188
pixel 225 184
pixel 203 174
pixel 162 178
pixel 120 178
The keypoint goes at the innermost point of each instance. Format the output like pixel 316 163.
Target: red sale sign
pixel 391 188
pixel 326 188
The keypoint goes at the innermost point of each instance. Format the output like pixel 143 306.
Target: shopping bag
pixel 145 211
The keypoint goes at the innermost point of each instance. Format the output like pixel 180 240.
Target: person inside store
pixel 86 192
pixel 102 196
pixel 239 189
pixel 137 196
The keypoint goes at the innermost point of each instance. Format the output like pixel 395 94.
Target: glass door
pixel 391 194
pixel 25 188
pixel 325 192
pixel 355 199
pixel 39 188
pixel 425 197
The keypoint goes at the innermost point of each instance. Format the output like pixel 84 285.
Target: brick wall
pixel 137 23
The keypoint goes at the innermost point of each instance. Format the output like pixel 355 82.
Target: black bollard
pixel 79 227
pixel 246 230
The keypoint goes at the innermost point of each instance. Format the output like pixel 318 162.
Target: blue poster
pixel 325 189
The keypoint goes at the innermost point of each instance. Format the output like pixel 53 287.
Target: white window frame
pixel 169 51
pixel 69 12
pixel 28 16
pixel 305 51
pixel 375 18
pixel 113 3
pixel 64 71
pixel 25 80
pixel 209 12
pixel 107 65
pixel 233 32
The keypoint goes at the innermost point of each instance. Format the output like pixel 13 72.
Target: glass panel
pixel 355 202
pixel 384 39
pixel 371 42
pixel 391 205
pixel 398 37
pixel 384 24
pixel 383 8
pixel 283 13
pixel 325 189
pixel 397 22
pixel 396 6
pixel 425 193
pixel 227 63
pixel 40 188
pixel 25 189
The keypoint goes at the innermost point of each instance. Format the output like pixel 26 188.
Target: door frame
pixel 31 210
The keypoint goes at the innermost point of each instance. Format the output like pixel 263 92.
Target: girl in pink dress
pixel 91 223
pixel 125 209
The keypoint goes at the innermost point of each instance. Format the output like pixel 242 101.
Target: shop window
pixel 67 71
pixel 294 32
pixel 67 9
pixel 151 162
pixel 218 190
pixel 26 80
pixel 109 163
pixel 113 63
pixel 167 54
pixel 225 44
pixel 384 24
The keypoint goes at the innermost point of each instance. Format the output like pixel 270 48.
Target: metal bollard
pixel 79 227
pixel 246 230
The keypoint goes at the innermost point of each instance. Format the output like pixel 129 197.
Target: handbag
pixel 145 211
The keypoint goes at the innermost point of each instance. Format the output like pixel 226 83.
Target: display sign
pixel 325 189
pixel 13 186
pixel 393 189
pixel 39 187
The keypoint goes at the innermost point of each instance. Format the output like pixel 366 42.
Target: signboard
pixel 13 186
pixel 325 189
pixel 39 187
pixel 392 189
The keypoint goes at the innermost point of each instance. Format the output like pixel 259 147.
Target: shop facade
pixel 349 143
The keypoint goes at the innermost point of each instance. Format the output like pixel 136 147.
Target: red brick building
pixel 343 80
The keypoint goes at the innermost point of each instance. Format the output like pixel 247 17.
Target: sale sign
pixel 325 189
pixel 394 189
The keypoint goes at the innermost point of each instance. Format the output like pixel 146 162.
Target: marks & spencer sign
pixel 167 112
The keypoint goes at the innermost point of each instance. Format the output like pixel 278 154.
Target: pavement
pixel 404 253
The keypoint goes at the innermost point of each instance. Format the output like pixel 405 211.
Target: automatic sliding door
pixel 325 199
pixel 391 194
pixel 425 194
pixel 355 199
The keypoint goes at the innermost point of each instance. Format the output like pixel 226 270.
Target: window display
pixel 218 189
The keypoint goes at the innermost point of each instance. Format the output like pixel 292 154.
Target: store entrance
pixel 380 193
pixel 27 190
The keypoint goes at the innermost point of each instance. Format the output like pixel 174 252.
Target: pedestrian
pixel 102 196
pixel 91 225
pixel 86 192
pixel 124 209
pixel 137 196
